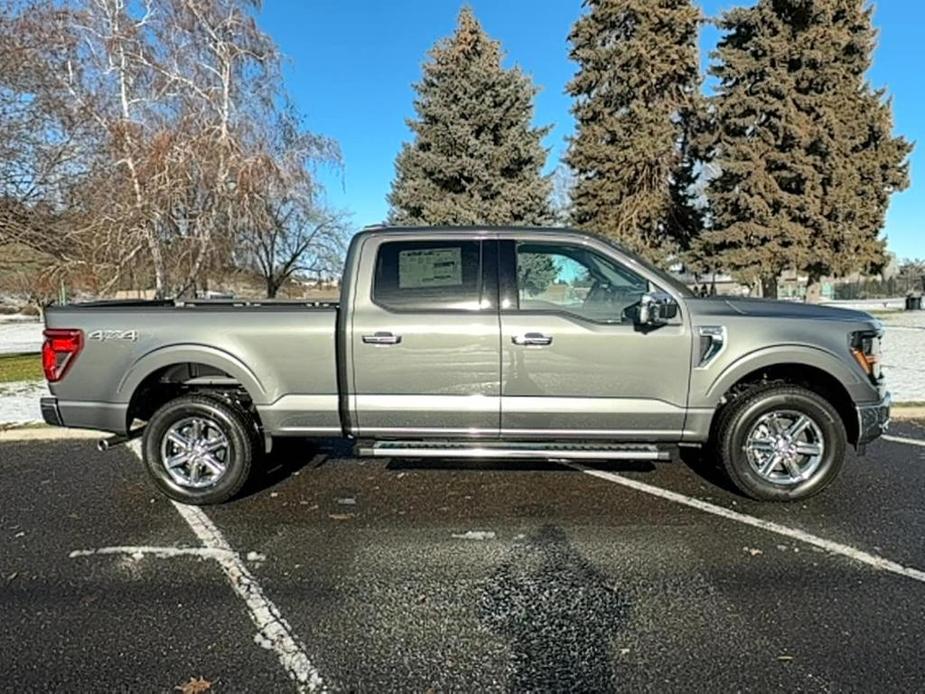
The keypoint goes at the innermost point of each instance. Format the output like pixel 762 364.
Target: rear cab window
pixel 430 276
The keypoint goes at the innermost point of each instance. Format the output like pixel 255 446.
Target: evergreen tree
pixel 637 94
pixel 475 158
pixel 801 141
pixel 861 162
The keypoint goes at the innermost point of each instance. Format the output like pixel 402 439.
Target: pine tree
pixel 802 143
pixel 861 162
pixel 475 157
pixel 637 95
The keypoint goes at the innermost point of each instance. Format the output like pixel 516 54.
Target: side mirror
pixel 657 308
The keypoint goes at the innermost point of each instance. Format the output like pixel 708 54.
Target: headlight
pixel 865 348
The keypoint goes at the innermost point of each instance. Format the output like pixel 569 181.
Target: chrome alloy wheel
pixel 785 447
pixel 194 452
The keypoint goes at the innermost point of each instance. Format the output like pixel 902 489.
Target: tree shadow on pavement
pixel 558 613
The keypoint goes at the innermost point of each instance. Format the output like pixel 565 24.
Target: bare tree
pixel 296 242
pixel 148 124
pixel 288 231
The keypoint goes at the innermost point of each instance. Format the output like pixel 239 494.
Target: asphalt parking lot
pixel 366 575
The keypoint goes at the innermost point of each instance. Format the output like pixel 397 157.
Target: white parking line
pixel 140 551
pixel 903 439
pixel 770 526
pixel 273 631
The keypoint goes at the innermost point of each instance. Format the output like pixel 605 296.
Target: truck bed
pixel 201 304
pixel 282 353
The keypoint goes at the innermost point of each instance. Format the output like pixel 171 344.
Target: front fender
pixel 802 355
pixel 171 355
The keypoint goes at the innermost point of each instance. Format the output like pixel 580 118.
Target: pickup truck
pixel 505 343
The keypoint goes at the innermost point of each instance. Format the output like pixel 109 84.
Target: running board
pixel 503 449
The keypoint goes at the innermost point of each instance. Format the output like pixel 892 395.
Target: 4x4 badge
pixel 107 335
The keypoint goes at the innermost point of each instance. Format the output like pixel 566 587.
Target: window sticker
pixel 430 267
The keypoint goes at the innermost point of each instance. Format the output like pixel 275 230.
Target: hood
pixel 766 308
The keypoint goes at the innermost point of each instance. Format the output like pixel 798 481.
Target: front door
pixel 574 363
pixel 425 342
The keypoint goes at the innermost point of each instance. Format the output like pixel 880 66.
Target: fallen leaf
pixel 194 686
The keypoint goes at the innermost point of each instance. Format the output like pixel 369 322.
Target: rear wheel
pixel 199 449
pixel 781 443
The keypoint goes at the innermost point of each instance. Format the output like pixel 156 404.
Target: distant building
pixel 718 283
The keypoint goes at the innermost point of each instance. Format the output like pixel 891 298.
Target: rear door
pixel 574 364
pixel 425 338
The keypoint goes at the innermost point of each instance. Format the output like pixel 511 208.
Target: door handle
pixel 382 338
pixel 532 340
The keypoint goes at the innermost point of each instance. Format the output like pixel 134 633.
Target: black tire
pixel 238 454
pixel 740 417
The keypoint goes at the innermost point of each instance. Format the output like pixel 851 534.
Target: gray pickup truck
pixel 503 343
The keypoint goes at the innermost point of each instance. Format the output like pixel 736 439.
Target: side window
pixel 428 275
pixel 574 279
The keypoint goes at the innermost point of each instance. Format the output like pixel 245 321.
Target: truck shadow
pixel 703 463
pixel 290 455
pixel 487 464
pixel 558 613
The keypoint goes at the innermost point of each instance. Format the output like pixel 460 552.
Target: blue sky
pixel 351 64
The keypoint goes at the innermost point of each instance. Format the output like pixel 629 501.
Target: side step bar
pixel 511 450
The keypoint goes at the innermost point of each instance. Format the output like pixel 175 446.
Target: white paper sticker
pixel 430 267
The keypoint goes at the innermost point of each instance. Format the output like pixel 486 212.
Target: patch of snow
pixel 895 303
pixel 908 319
pixel 20 336
pixel 904 360
pixel 19 402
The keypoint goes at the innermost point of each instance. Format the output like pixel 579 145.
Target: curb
pixel 905 413
pixel 44 433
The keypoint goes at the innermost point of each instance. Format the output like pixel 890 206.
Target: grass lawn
pixel 20 367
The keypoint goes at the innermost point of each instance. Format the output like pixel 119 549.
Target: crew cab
pixel 504 343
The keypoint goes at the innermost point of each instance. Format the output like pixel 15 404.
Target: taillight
pixel 59 351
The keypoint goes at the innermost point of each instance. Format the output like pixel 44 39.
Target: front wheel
pixel 199 449
pixel 781 443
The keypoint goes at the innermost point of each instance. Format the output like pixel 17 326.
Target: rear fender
pixel 197 354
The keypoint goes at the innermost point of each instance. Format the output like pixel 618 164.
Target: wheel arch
pixel 810 376
pixel 781 357
pixel 161 375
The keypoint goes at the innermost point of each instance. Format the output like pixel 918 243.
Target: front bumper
pixel 873 420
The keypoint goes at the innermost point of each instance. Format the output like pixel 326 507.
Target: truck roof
pixel 378 228
pixel 488 229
